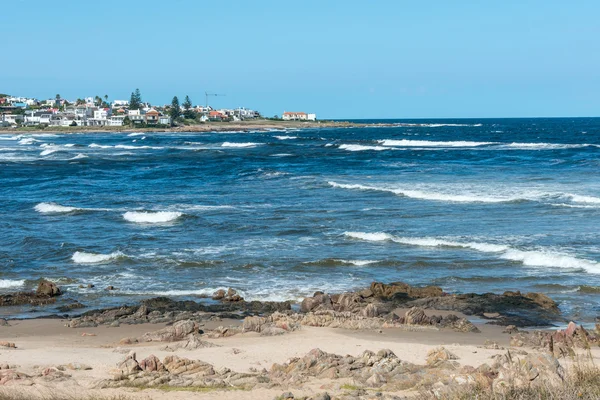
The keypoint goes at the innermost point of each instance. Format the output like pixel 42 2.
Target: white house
pixel 11 119
pixel 116 120
pixel 298 116
pixel 120 103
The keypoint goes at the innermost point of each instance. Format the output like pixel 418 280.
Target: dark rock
pixel 70 307
pixel 47 288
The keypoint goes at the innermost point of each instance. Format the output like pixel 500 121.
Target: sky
pixel 338 58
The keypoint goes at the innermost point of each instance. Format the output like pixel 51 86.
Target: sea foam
pixel 430 195
pixel 358 147
pixel 53 208
pixel 536 258
pixel 427 143
pixel 9 283
pixel 240 145
pixel 81 257
pixel 144 217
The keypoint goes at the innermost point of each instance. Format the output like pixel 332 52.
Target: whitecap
pixel 81 257
pixel 358 147
pixel 546 146
pixel 434 196
pixel 286 137
pixel 145 217
pixel 536 258
pixel 427 143
pixel 358 263
pixel 79 156
pixel 240 145
pixel 577 198
pixel 27 141
pixel 53 208
pixel 136 134
pixel 9 283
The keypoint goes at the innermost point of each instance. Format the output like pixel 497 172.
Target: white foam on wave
pixel 27 141
pixel 127 147
pixel 286 137
pixel 99 146
pixel 10 283
pixel 578 198
pixel 358 147
pixel 136 134
pixel 535 258
pixel 81 257
pixel 434 196
pixel 49 149
pixel 240 145
pixel 427 143
pixel 546 146
pixel 79 156
pixel 53 208
pixel 146 217
pixel 358 263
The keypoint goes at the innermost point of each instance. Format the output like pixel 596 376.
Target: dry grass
pixel 582 383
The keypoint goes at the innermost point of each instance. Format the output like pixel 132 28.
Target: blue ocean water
pixel 470 205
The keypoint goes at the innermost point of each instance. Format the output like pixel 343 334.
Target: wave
pixel 99 146
pixel 145 217
pixel 427 143
pixel 547 146
pixel 27 141
pixel 537 258
pixel 285 137
pixel 136 134
pixel 435 196
pixel 79 156
pixel 336 262
pixel 577 198
pixel 81 257
pixel 53 208
pixel 127 147
pixel 240 145
pixel 358 147
pixel 9 283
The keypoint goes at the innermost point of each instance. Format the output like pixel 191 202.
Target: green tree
pixel 187 109
pixel 135 103
pixel 79 102
pixel 126 121
pixel 175 111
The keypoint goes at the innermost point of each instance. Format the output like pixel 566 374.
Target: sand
pixel 48 342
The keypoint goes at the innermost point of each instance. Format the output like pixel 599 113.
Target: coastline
pixel 260 125
pixel 343 346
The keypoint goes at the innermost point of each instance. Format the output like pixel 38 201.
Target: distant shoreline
pixel 265 125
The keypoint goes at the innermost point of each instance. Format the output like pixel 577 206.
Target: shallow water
pixel 470 205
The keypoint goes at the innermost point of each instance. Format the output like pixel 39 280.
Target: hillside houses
pixel 298 116
pixel 96 112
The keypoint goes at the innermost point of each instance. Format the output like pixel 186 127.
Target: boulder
pixel 47 288
pixel 319 301
pixel 178 331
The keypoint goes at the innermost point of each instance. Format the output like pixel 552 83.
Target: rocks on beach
pixel 46 293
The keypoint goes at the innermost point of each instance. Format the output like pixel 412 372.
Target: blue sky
pixel 338 58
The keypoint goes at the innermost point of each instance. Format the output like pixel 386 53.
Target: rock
pixel 400 290
pixel 152 364
pixel 416 316
pixel 70 307
pixel 491 315
pixel 4 322
pixel 178 331
pixel 110 287
pixel 90 286
pixel 47 288
pixel 286 395
pixel 219 294
pixel 510 329
pixel 438 355
pixel 78 367
pixel 129 365
pixel 192 342
pixel 9 345
pixel 320 396
pixel 543 301
pixel 319 301
pixel 491 345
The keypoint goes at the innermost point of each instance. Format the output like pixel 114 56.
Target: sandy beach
pixel 118 351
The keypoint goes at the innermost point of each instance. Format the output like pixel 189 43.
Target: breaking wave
pixel 435 196
pixel 81 257
pixel 427 143
pixel 538 258
pixel 285 137
pixel 240 145
pixel 146 217
pixel 9 283
pixel 358 147
pixel 53 208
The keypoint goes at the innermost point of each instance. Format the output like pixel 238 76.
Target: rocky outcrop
pixel 231 295
pixel 178 331
pixel 46 293
pixel 560 343
pixel 165 310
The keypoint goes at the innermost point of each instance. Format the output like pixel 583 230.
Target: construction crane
pixel 206 94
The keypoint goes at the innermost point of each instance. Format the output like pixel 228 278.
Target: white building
pixel 116 120
pixel 120 103
pixel 298 116
pixel 11 119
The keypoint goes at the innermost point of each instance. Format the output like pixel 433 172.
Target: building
pixel 136 116
pixel 37 117
pixel 116 120
pixel 298 116
pixel 120 103
pixel 152 117
pixel 164 120
pixel 11 119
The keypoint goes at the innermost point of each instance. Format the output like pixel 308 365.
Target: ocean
pixel 470 205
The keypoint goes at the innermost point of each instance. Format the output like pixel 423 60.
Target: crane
pixel 206 94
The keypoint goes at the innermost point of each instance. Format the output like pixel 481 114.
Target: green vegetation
pixel 175 111
pixel 188 113
pixel 135 102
